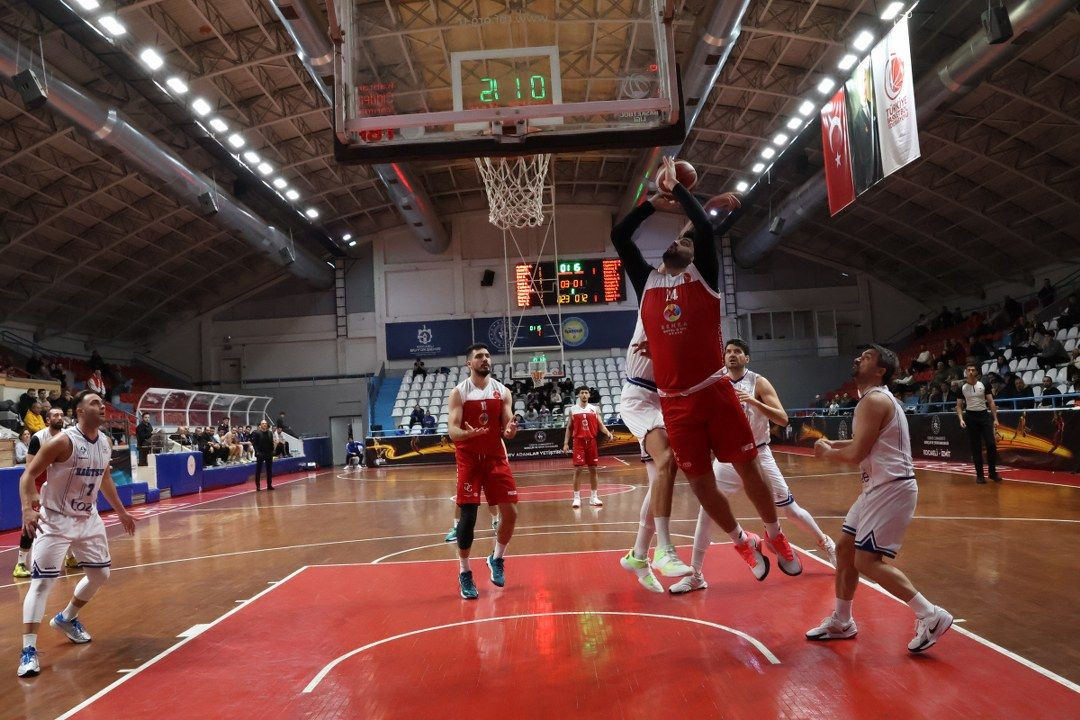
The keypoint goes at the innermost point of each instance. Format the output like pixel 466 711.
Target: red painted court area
pixel 571 635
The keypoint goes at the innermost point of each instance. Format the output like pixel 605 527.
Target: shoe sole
pixel 672 574
pixel 765 562
pixel 831 636
pixel 30 673
pixel 933 641
pixel 469 597
pixel 691 589
pixel 784 570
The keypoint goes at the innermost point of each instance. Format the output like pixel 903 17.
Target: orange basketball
pixel 684 173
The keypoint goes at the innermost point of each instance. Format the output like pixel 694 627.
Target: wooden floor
pixel 996 556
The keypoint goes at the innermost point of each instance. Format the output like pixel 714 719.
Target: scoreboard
pixel 573 282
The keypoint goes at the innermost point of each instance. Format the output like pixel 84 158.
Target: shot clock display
pixel 506 77
pixel 573 282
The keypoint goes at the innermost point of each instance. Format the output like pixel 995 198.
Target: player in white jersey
pixel 65 516
pixel 874 527
pixel 54 425
pixel 639 408
pixel 762 406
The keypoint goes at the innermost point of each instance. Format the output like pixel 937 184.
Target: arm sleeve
pixel 622 237
pixel 704 242
pixel 35 446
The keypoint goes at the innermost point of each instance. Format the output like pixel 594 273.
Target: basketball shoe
pixel 750 551
pixel 72 628
pixel 785 556
pixel 667 561
pixel 828 547
pixel 452 535
pixel 929 630
pixel 641 568
pixel 28 662
pixel 20 571
pixel 832 628
pixel 467 586
pixel 498 575
pixel 696 581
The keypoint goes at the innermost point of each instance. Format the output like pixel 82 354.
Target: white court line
pixel 963 631
pixel 169 650
pixel 556 532
pixel 338 660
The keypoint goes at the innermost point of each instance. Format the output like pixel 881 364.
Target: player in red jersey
pixel 584 422
pixel 481 415
pixel 681 315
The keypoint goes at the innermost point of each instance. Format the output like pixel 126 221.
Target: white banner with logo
pixel 898 130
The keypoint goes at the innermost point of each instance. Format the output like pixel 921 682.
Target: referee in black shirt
pixel 978 413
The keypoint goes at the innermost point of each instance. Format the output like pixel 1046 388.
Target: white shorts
pixel 728 481
pixel 58 532
pixel 879 517
pixel 640 412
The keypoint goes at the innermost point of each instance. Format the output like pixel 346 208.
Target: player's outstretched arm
pixel 108 489
pixel 870 415
pixel 622 238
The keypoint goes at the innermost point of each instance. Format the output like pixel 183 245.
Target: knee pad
pixel 466 525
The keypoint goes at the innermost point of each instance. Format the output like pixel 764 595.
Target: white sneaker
pixel 641 569
pixel 577 502
pixel 28 662
pixel 828 547
pixel 832 628
pixel 930 630
pixel 667 561
pixel 595 501
pixel 688 584
pixel 72 628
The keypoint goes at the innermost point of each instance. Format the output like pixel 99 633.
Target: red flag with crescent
pixel 834 143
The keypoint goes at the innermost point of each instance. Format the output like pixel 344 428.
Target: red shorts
pixel 586 452
pixel 709 421
pixel 484 472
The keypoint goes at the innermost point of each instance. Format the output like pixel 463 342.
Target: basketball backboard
pixel 444 78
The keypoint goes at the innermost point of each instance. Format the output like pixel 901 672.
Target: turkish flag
pixel 834 144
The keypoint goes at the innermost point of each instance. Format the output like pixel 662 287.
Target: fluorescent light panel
pixel 218 124
pixel 252 157
pixel 237 140
pixel 768 153
pixel 312 213
pixel 89 4
pixel 847 62
pixel 892 10
pixel 806 108
pixel 280 183
pixel 794 123
pixel 826 85
pixel 201 107
pixel 112 25
pixel 177 85
pixel 265 168
pixel 292 194
pixel 863 40
pixel 780 139
pixel 758 167
pixel 151 58
pixel 742 186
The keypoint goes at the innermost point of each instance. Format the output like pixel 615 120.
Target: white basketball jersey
pixel 890 457
pixel 639 368
pixel 72 485
pixel 759 423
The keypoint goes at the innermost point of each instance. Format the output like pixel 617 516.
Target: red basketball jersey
pixel 681 316
pixel 482 407
pixel 586 421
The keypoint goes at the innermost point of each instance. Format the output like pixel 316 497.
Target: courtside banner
pixel 1037 439
pixel 531 444
pixel 834 141
pixel 894 96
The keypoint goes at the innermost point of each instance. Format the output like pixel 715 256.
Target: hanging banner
pixel 894 98
pixel 862 128
pixel 834 141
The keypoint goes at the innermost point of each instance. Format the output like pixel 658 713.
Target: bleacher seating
pixel 433 391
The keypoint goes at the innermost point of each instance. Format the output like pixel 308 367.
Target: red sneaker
pixel 750 551
pixel 785 556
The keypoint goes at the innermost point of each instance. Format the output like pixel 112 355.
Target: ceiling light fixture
pixel 177 85
pixel 312 213
pixel 758 167
pixel 768 153
pixel 151 59
pixel 863 40
pixel 892 10
pixel 265 168
pixel 252 158
pixel 237 140
pixel 847 62
pixel 742 186
pixel 218 124
pixel 280 183
pixel 201 107
pixel 826 85
pixel 806 108
pixel 794 123
pixel 780 139
pixel 114 26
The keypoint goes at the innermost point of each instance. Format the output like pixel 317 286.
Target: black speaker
pixel 777 225
pixel 30 89
pixel 207 203
pixel 286 254
pixel 996 23
pixel 489 278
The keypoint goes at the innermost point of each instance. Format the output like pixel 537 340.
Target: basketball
pixel 684 173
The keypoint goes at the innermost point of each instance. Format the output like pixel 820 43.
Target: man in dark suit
pixel 143 432
pixel 862 129
pixel 263 442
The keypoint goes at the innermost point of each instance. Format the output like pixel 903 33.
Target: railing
pixel 272 381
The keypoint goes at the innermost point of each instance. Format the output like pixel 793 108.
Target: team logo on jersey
pixel 496 395
pixel 672 312
pixel 686 277
pixel 484 417
pixel 81 451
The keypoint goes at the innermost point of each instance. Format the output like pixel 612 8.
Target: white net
pixel 515 189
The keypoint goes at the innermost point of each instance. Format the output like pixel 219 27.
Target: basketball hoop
pixel 515 189
pixel 538 377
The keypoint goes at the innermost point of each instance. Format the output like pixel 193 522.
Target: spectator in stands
pixel 979 351
pixel 834 407
pixel 210 447
pixel 935 396
pixel 354 449
pixel 429 423
pixel 33 420
pixel 418 369
pixel 921 325
pixel 65 402
pixel 35 365
pixel 417 416
pixel 1046 293
pixel 95 362
pixel 25 401
pixel 22 446
pixel 96 383
pixel 1070 316
pixel 922 361
pixel 941 373
pixel 281 424
pixel 231 443
pixel 243 436
pixel 265 448
pixel 532 415
pixel 944 319
pixel 56 371
pixel 955 370
pixel 556 397
pixel 143 431
pixel 69 417
pixel 1012 309
pixel 1072 372
pixel 1021 342
pixel 847 403
pixel 1048 399
pixel 1022 397
pixel 1053 353
pixel 924 399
